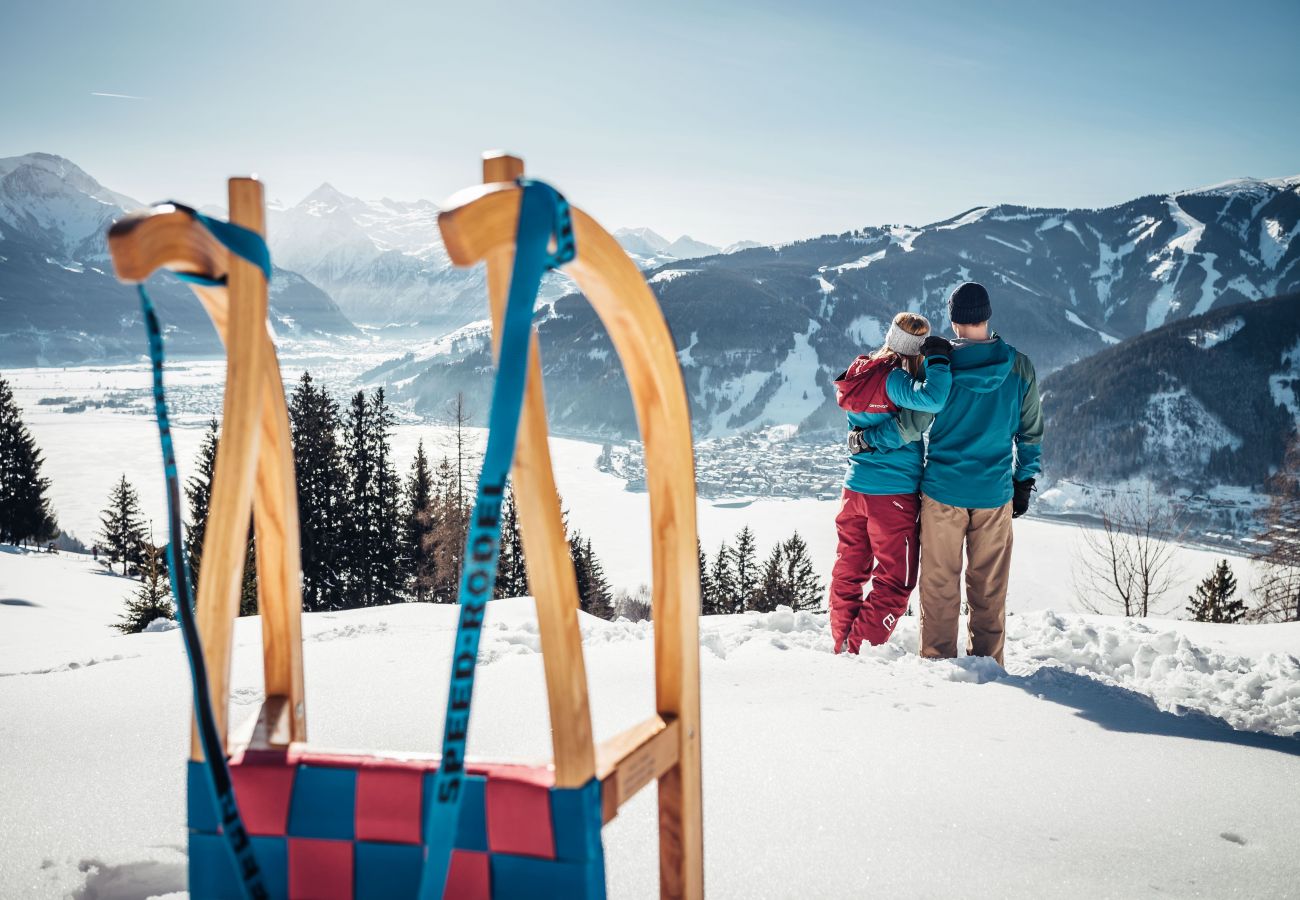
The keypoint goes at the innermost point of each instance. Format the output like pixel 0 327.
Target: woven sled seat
pixel 329 825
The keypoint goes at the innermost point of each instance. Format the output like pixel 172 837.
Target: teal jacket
pixel 988 434
pixel 896 468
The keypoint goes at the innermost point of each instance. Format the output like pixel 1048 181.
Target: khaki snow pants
pixel 985 535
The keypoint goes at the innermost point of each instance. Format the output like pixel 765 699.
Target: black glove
pixel 858 443
pixel 1020 500
pixel 936 346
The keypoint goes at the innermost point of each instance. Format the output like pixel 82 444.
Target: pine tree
pixel 1214 600
pixel 801 578
pixel 418 526
pixel 386 555
pixel 315 422
pixel 359 493
pixel 722 583
pixel 372 552
pixel 746 569
pixel 706 581
pixel 25 513
pixel 773 589
pixel 122 533
pixel 594 595
pixel 198 491
pixel 512 574
pixel 152 600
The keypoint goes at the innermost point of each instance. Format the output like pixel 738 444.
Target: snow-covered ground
pixel 1107 765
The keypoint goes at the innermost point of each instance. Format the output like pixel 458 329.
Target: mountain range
pixel 760 332
pixel 59 301
pixel 1207 400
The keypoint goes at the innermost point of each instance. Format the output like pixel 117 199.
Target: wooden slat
pixel 477 224
pixel 631 760
pixel 273 727
pixel 225 541
pixel 546 549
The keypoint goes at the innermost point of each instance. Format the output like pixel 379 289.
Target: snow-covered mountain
pixel 382 260
pixel 761 331
pixel 59 301
pixel 651 250
pixel 1201 402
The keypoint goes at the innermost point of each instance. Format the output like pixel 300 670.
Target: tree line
pixel 369 537
pixel 735 581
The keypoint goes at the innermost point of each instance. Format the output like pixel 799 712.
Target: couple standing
pixel 958 491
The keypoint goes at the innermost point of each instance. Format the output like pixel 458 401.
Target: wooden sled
pixel 254 472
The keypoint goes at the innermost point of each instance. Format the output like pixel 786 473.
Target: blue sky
pixel 759 120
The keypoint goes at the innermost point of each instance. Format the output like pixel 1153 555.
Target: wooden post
pixel 546 549
pixel 481 224
pixel 226 538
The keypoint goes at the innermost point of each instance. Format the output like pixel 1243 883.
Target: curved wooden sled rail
pixel 480 225
pixel 254 466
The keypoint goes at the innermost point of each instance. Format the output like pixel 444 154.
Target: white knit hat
pixel 904 342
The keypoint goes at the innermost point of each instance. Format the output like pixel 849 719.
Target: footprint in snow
pixel 1233 838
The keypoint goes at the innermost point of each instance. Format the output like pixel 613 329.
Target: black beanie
pixel 969 304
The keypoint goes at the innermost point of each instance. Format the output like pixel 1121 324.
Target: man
pixel 984 453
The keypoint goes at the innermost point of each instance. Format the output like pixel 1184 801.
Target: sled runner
pixel 271 817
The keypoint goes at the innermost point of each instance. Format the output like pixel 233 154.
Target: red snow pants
pixel 879 541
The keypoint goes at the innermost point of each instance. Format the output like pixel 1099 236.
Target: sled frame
pixel 479 225
pixel 254 467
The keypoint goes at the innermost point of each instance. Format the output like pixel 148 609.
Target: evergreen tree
pixel 1214 600
pixel 512 574
pixel 594 595
pixel 372 553
pixel 152 600
pixel 773 589
pixel 198 494
pixel 721 598
pixel 198 491
pixel 706 581
pixel 122 533
pixel 25 513
pixel 418 527
pixel 315 421
pixel 805 590
pixel 386 554
pixel 746 569
pixel 360 496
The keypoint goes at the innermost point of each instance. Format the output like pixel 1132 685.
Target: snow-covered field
pixel 1103 767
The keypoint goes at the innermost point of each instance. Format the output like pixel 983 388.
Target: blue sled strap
pixel 543 214
pixel 249 246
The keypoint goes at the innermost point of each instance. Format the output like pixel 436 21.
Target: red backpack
pixel 861 387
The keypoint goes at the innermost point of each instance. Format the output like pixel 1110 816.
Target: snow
pixel 1285 385
pixel 968 218
pixel 904 236
pixel 864 261
pixel 1074 319
pixel 670 275
pixel 1015 247
pixel 1185 239
pixel 1182 432
pixel 868 331
pixel 1274 241
pixel 1205 338
pixel 824 776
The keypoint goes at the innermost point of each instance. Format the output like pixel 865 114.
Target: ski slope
pixel 1105 767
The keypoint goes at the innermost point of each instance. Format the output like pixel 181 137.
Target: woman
pixel 890 397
